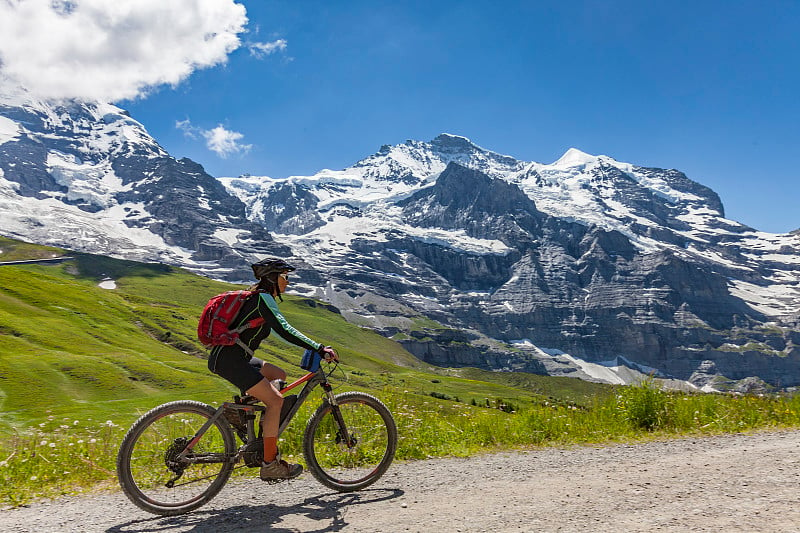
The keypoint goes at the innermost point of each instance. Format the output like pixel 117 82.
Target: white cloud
pixel 112 50
pixel 225 142
pixel 188 130
pixel 219 140
pixel 264 49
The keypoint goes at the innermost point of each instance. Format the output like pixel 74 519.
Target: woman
pixel 254 376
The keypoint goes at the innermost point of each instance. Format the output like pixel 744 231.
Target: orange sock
pixel 270 449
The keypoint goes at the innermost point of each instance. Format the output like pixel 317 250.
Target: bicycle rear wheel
pixel 352 464
pixel 150 471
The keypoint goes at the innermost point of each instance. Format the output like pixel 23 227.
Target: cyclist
pixel 254 376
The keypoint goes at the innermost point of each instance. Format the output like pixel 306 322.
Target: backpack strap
pixel 249 324
pixel 249 351
pixel 256 322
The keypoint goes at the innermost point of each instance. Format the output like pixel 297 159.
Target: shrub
pixel 441 396
pixel 645 405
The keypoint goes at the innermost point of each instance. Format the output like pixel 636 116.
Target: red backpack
pixel 217 317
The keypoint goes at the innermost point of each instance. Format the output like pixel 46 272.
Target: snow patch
pixel 107 283
pixel 772 300
pixel 93 183
pixel 616 371
pixel 9 130
pixel 230 236
pixel 68 226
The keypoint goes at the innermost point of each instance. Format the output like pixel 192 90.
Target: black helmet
pixel 268 266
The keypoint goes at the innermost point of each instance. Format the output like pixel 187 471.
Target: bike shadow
pixel 329 508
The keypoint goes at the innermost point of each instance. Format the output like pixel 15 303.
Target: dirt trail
pixel 728 483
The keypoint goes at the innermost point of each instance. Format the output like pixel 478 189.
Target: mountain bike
pixel 178 456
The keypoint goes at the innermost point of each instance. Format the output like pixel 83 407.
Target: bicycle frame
pixel 311 381
pixel 348 443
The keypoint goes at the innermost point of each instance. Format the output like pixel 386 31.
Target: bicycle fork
pixel 343 436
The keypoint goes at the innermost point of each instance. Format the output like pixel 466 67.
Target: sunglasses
pixel 284 276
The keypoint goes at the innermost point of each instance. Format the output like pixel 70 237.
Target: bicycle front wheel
pixel 152 473
pixel 351 451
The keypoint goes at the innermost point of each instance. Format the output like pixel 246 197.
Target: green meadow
pixel 79 363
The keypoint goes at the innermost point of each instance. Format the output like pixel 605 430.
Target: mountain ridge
pixel 97 181
pixel 520 265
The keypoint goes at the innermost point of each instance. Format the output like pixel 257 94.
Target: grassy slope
pixel 79 363
pixel 68 347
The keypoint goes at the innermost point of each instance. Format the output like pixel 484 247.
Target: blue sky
pixel 707 87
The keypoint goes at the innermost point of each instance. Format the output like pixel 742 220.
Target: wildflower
pixel 34 478
pixel 42 424
pixel 52 444
pixel 80 441
pixel 92 441
pixel 75 422
pixel 43 443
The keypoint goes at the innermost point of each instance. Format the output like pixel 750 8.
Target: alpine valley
pixel 587 267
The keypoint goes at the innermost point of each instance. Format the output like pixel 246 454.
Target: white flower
pixel 34 478
pixel 92 441
pixel 52 444
pixel 43 443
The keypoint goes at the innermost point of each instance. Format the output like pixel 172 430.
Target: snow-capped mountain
pixel 656 210
pixel 587 256
pixel 587 266
pixel 89 177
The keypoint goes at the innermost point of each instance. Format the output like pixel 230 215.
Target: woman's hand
pixel 329 354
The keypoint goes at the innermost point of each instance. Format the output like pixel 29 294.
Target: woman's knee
pixel 264 391
pixel 273 372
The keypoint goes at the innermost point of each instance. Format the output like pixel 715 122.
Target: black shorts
pixel 231 363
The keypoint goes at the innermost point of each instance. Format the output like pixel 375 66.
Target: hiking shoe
pixel 279 469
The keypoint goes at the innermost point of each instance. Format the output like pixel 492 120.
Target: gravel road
pixel 726 483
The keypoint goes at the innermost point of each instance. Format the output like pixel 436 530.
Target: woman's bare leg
pixel 273 400
pixel 272 372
